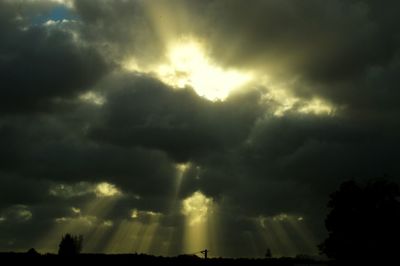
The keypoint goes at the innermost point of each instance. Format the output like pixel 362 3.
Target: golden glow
pixel 316 106
pixel 197 207
pixel 134 214
pixel 286 102
pixel 182 167
pixel 187 65
pixel 197 210
pixel 105 189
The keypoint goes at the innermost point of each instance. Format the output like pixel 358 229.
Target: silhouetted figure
pixel 268 254
pixel 205 252
pixel 70 245
pixel 364 222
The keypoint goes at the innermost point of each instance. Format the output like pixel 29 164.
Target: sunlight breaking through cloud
pixel 105 189
pixel 199 221
pixel 102 189
pixel 197 208
pixel 188 66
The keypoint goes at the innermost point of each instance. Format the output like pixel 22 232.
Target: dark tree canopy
pixel 364 221
pixel 70 245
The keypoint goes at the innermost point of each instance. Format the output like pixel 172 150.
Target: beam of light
pixel 99 208
pixel 197 210
pixel 185 61
pixel 300 227
pixel 269 237
pixel 274 231
pixel 276 235
pixel 187 65
pixel 181 170
pixel 149 233
pixel 88 220
pixel 289 248
pixel 166 244
pixel 167 19
pixel 248 238
pixel 135 235
pixel 95 239
pixel 124 237
pixel 63 225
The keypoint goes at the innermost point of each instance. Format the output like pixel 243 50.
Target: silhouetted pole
pixel 205 253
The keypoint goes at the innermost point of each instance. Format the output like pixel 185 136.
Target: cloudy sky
pixel 167 127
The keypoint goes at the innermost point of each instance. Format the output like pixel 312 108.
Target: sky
pixel 167 127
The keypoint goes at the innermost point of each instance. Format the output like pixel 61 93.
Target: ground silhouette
pixel 143 259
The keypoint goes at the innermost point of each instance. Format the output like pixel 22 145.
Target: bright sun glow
pixel 105 189
pixel 187 65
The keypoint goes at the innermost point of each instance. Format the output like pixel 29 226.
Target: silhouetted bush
pixel 70 245
pixel 32 252
pixel 363 223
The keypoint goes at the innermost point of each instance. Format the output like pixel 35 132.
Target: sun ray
pixel 88 221
pixel 197 210
pixel 124 237
pixel 304 233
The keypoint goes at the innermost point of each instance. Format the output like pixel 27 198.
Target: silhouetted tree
pixel 268 253
pixel 70 245
pixel 364 221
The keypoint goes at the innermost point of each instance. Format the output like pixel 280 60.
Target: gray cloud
pixel 144 112
pixel 40 65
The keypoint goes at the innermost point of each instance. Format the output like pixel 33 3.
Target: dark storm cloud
pixel 144 112
pixel 334 39
pixel 19 190
pixel 119 28
pixel 40 64
pixel 51 147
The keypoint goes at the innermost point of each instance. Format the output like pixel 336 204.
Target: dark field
pixel 134 259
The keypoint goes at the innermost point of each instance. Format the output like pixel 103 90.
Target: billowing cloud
pixel 42 66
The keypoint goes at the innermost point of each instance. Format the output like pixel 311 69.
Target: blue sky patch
pixel 59 12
